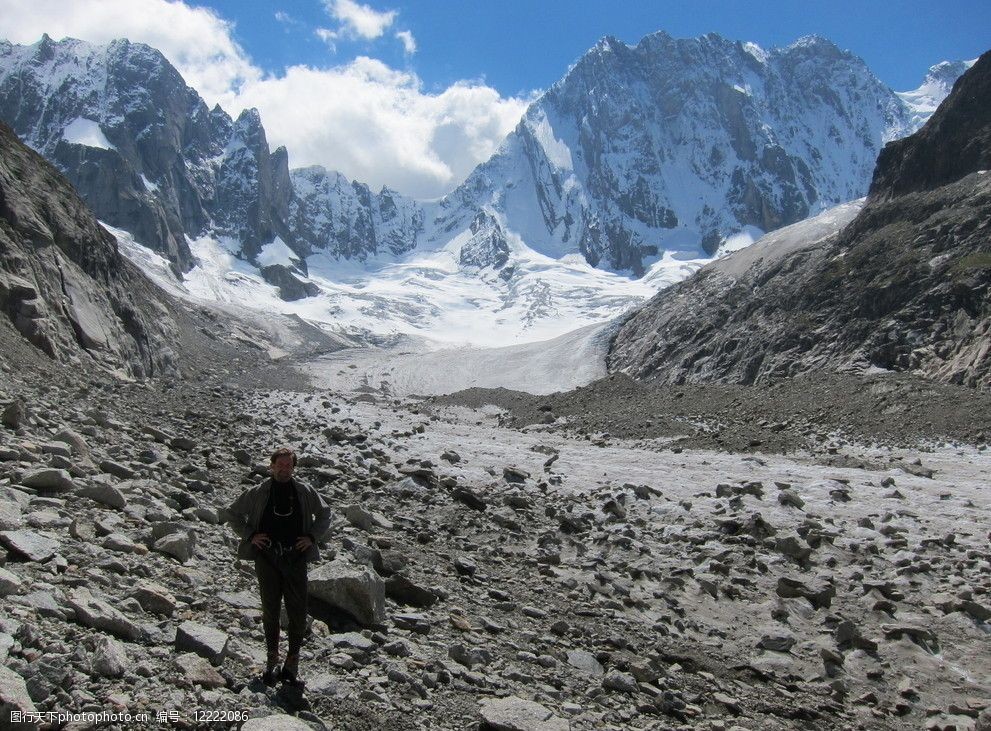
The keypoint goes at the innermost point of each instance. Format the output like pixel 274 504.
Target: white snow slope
pixel 424 293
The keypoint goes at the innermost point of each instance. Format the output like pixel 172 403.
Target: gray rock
pixel 790 498
pixel 354 589
pixel 76 440
pixel 83 530
pixel 157 434
pixel 10 515
pixel 154 598
pixel 104 494
pixel 365 519
pixel 617 680
pixel 49 480
pixel 277 722
pixel 516 714
pixel 119 542
pixel 243 457
pixel 109 658
pixel 117 470
pixel 59 449
pixel 14 697
pixel 15 414
pixel 777 641
pixel 43 603
pixel 31 545
pixel 418 623
pixel 467 497
pixel 205 641
pixel 354 641
pixel 9 583
pixel 848 636
pixel 515 475
pixel 242 599
pixel 179 545
pixel 469 657
pixel 403 590
pixel 585 661
pixel 732 704
pixel 94 612
pixel 819 595
pixel 921 636
pixel 183 443
pixel 398 648
pixel 198 671
pixel 794 547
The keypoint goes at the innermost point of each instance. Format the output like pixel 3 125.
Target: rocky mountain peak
pixel 678 144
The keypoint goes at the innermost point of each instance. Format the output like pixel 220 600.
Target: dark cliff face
pixel 63 283
pixel 955 142
pixel 905 286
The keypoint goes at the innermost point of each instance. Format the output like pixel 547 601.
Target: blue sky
pixel 413 95
pixel 519 46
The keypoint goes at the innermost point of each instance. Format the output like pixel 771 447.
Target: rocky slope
pixel 475 575
pixel 63 284
pixel 904 286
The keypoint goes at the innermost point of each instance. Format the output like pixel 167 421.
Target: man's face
pixel 282 468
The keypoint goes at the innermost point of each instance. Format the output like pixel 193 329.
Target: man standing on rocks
pixel 279 523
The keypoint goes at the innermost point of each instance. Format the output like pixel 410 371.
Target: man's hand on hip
pixel 303 543
pixel 261 540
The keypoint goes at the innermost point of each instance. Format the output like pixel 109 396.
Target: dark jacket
pixel 245 514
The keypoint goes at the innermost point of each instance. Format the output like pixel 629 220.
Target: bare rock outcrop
pixel 63 284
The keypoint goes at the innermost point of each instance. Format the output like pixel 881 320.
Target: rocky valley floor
pixel 671 562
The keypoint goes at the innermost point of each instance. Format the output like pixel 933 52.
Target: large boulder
pixel 207 642
pixel 94 612
pixel 29 544
pixel 516 714
pixel 356 590
pixel 14 700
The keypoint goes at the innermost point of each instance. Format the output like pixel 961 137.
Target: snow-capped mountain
pixel 141 147
pixel 642 160
pixel 677 144
pixel 934 89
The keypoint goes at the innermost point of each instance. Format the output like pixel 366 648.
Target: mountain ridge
pixel 253 199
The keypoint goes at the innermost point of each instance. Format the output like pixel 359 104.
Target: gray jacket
pixel 245 514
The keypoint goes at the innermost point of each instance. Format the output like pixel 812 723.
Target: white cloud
pixel 365 119
pixel 327 36
pixel 360 20
pixel 376 124
pixel 196 40
pixel 408 41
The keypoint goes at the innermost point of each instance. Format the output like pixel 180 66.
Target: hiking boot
pixel 271 676
pixel 290 672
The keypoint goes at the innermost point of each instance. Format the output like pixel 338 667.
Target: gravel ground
pixel 594 582
pixel 802 414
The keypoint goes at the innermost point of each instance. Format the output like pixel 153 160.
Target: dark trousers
pixel 282 577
